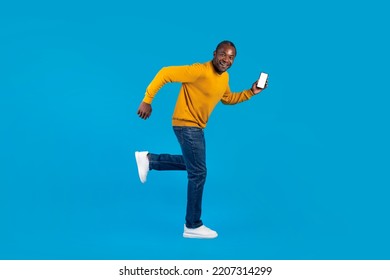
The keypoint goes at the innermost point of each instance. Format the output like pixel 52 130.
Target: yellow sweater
pixel 202 88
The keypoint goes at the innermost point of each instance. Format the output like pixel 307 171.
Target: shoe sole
pixel 138 164
pixel 188 235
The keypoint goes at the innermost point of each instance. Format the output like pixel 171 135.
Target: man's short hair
pixel 226 42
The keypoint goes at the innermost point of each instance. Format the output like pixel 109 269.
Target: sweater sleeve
pixel 172 74
pixel 230 98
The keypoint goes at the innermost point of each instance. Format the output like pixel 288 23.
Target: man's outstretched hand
pixel 144 110
pixel 257 90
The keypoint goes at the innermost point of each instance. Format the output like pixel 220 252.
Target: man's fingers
pixel 144 115
pixel 144 111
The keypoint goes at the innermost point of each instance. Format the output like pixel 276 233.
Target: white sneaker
pixel 201 232
pixel 142 164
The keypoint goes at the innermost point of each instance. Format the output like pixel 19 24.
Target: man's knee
pixel 198 175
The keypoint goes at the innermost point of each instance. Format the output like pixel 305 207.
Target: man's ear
pixel 214 53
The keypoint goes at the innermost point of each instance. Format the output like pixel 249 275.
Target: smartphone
pixel 262 80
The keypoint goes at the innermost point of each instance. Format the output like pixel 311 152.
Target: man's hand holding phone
pixel 260 84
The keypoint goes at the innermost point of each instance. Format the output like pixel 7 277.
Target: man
pixel 203 86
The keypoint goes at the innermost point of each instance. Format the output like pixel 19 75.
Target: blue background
pixel 298 172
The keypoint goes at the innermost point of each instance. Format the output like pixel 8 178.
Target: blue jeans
pixel 193 159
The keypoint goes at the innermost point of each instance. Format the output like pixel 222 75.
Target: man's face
pixel 223 58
